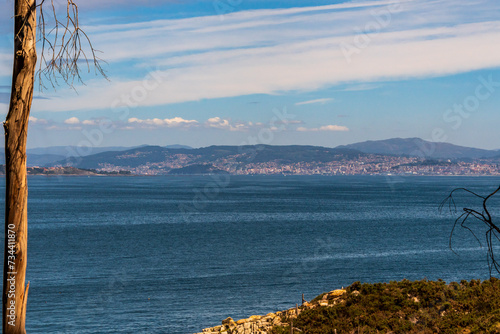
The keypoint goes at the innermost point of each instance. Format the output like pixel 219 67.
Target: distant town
pixel 397 156
pixel 365 165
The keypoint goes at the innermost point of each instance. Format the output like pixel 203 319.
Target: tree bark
pixel 15 293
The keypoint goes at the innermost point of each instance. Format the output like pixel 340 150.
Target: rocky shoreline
pixel 257 324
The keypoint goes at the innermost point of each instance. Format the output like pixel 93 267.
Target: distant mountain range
pixel 421 148
pixel 282 159
pixel 47 156
pixel 71 150
pixel 179 159
pixel 162 159
pixel 67 151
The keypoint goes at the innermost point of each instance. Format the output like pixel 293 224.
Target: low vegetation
pixel 405 307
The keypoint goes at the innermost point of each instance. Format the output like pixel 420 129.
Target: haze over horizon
pixel 325 73
pixel 99 148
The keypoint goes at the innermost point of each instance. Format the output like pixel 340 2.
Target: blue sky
pixel 231 72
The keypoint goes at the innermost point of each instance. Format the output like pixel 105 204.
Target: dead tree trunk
pixel 15 294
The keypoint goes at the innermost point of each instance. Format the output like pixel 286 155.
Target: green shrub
pixel 408 307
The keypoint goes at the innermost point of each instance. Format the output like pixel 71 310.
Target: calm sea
pixel 177 254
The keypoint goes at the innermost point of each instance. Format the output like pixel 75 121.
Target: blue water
pixel 177 254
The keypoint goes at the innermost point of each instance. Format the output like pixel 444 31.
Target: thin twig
pixel 484 217
pixel 63 48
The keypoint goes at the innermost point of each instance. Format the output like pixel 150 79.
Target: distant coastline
pixel 72 171
pixel 395 157
pixel 67 171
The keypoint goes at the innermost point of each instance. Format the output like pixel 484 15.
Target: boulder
pixel 229 322
pixel 336 293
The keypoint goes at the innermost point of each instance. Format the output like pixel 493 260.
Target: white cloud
pixel 219 123
pixel 72 120
pixel 333 128
pixel 290 121
pixel 299 49
pixel 74 123
pixel 317 101
pixel 34 120
pixel 169 123
pixel 336 128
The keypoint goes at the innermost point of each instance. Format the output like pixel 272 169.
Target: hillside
pixel 196 169
pixel 405 307
pixel 38 159
pixel 67 151
pixel 161 160
pixel 50 156
pixel 420 147
pixel 410 156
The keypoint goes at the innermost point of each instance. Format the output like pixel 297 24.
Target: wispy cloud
pixel 335 128
pixel 34 120
pixel 90 122
pixel 297 49
pixel 169 123
pixel 361 87
pixel 230 125
pixel 317 101
pixel 92 4
pixel 218 123
pixel 72 123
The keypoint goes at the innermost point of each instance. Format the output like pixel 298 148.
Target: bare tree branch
pixel 64 46
pixel 484 216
